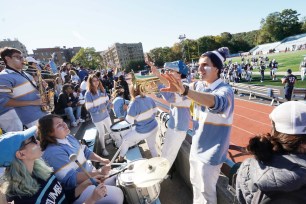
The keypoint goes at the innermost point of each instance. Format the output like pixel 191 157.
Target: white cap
pixel 290 118
pixel 31 59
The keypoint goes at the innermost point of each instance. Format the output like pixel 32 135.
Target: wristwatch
pixel 186 90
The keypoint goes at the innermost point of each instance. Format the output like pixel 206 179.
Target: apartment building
pixel 15 44
pixel 61 54
pixel 120 54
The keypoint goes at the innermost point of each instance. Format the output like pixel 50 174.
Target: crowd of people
pixel 38 144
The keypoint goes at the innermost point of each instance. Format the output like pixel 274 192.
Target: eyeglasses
pixel 32 140
pixel 19 57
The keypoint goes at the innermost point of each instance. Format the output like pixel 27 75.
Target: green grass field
pixel 285 61
pixel 269 82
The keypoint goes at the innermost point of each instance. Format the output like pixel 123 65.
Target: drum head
pixel 121 125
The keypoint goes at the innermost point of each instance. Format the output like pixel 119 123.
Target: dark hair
pixel 8 52
pixel 264 146
pixel 98 74
pixel 45 129
pixel 65 87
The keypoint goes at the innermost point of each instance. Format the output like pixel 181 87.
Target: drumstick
pixel 116 154
pixel 73 158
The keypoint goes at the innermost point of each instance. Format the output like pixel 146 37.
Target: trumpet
pixel 146 85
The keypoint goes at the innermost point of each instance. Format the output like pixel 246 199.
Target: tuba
pixel 47 96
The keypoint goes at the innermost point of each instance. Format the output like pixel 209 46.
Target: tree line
pixel 275 27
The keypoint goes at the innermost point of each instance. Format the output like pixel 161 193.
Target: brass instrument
pixel 47 96
pixel 148 84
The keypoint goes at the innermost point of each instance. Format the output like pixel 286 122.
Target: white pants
pixel 303 72
pixel 172 143
pixel 10 121
pixel 114 194
pixel 106 123
pixel 133 137
pixel 204 179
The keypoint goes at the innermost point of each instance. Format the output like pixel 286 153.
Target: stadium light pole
pixel 182 38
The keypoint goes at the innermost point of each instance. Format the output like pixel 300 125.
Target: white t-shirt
pixel 83 85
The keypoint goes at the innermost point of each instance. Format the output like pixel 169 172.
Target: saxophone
pixel 47 96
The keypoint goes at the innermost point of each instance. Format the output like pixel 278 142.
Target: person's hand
pixel 105 170
pixel 125 107
pixel 104 161
pixel 175 85
pixel 99 192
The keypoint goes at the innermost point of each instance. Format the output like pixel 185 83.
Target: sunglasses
pixel 32 140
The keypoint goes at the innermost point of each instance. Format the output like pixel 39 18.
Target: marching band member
pixel 58 145
pixel 27 178
pixel 179 110
pixel 96 101
pixel 141 112
pixel 120 105
pixel 25 99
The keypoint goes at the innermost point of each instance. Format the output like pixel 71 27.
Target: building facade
pixel 61 54
pixel 120 55
pixel 15 44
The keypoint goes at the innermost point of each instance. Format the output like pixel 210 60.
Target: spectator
pixel 278 171
pixel 82 73
pixel 74 77
pixel 67 103
pixel 28 179
pixel 121 82
pixel 83 85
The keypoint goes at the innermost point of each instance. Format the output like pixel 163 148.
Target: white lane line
pixel 251 119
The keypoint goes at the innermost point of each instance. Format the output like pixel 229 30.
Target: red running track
pixel 250 118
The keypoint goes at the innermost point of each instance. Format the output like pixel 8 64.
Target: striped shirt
pixel 179 110
pixel 97 105
pixel 23 90
pixel 118 103
pixel 57 156
pixel 142 112
pixel 211 140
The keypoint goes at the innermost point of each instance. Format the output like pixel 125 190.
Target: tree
pixel 303 25
pixel 136 66
pixel 279 25
pixel 88 57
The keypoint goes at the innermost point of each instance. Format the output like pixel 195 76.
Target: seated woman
pixel 278 171
pixel 141 112
pixel 120 105
pixel 58 145
pixel 27 179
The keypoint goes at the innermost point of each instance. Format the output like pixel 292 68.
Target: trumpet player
pixel 25 100
pixel 179 110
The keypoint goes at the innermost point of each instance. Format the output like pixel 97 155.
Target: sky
pixel 154 23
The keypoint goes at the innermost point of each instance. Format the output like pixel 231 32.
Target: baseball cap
pixel 290 118
pixel 31 59
pixel 177 66
pixel 11 142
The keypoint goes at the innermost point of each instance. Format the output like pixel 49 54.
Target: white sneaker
pixel 80 120
pixel 74 124
pixel 105 153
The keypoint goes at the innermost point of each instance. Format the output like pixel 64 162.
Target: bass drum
pixel 133 194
